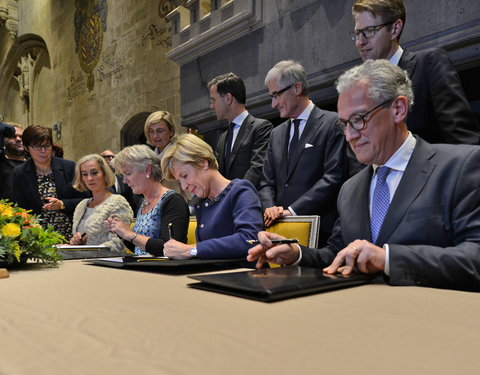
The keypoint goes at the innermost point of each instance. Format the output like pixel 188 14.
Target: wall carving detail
pixel 9 16
pixel 90 23
pixel 111 67
pixel 160 36
pixel 76 87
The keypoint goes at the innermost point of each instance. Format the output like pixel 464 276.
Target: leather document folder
pixel 145 262
pixel 273 284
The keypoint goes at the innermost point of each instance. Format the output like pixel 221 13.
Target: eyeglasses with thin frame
pixel 109 157
pixel 368 32
pixel 276 94
pixel 40 147
pixel 357 121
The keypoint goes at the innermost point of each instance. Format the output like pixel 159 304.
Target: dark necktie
pixel 228 146
pixel 380 202
pixel 295 137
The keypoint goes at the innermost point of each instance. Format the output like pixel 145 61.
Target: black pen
pixel 84 234
pixel 285 240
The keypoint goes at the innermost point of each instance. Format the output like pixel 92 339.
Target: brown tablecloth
pixel 83 319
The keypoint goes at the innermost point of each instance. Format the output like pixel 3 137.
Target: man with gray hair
pixel 413 215
pixel 304 165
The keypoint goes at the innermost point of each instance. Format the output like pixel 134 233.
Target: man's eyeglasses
pixel 276 94
pixel 357 121
pixel 368 32
pixel 108 157
pixel 40 147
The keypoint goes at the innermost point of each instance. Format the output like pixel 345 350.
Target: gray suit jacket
pixel 312 182
pixel 432 226
pixel 248 151
pixel 440 113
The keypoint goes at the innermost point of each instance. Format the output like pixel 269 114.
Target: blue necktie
pixel 295 138
pixel 380 202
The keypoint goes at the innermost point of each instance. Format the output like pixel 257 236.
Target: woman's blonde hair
pixel 108 174
pixel 156 117
pixel 138 157
pixel 188 149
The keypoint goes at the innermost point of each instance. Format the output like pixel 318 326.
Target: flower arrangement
pixel 22 237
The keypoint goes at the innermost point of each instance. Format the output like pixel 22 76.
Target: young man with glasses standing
pixel 304 166
pixel 441 113
pixel 412 217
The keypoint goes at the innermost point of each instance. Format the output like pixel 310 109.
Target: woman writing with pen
pixel 229 213
pixel 163 213
pixel 92 173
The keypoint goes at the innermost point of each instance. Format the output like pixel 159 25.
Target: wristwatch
pixel 193 252
pixel 62 205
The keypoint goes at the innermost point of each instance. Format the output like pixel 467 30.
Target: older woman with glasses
pixel 43 183
pixel 229 213
pixel 163 214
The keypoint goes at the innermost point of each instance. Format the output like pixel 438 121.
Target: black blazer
pixel 440 113
pixel 25 187
pixel 432 226
pixel 312 183
pixel 248 151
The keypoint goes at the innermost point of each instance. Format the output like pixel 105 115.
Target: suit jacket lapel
pixel 221 151
pixel 408 62
pixel 360 195
pixel 416 175
pixel 243 132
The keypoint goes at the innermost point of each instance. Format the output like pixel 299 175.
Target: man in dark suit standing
pixel 413 215
pixel 241 149
pixel 441 113
pixel 304 166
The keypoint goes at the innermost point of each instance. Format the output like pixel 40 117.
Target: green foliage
pixel 22 237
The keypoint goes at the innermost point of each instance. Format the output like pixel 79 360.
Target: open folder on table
pixel 149 262
pixel 69 252
pixel 274 284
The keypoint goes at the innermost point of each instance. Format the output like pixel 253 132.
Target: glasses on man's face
pixel 276 94
pixel 108 157
pixel 42 147
pixel 357 121
pixel 368 32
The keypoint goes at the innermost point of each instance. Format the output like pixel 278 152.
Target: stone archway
pixel 26 82
pixel 132 131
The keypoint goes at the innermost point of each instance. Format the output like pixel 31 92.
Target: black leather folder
pixel 273 284
pixel 147 262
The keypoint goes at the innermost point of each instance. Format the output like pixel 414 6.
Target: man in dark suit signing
pixel 413 215
pixel 441 113
pixel 241 149
pixel 304 166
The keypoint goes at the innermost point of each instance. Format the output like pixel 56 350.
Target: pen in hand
pixel 277 242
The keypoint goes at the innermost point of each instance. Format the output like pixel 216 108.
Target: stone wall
pixel 316 33
pixel 124 56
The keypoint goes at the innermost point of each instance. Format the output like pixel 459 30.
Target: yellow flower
pixel 11 230
pixel 7 211
pixel 17 251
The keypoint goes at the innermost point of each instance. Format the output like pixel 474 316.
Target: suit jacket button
pixel 286 185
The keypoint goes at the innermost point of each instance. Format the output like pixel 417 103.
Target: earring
pixel 147 176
